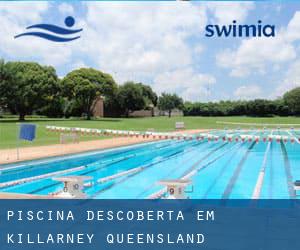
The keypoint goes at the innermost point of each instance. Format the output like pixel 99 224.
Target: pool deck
pixel 24 196
pixel 31 153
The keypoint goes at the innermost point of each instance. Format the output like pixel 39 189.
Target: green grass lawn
pixel 9 127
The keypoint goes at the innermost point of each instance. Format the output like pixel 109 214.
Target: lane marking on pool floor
pixel 271 167
pixel 194 171
pixel 288 173
pixel 261 176
pixel 132 156
pixel 222 172
pixel 260 179
pixel 172 171
pixel 161 192
pixel 236 174
pixel 144 168
pixel 198 169
pixel 106 164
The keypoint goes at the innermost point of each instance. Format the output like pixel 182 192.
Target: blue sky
pixel 163 44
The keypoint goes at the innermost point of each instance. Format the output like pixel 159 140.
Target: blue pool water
pixel 221 169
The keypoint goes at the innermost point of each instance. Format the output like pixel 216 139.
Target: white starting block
pixel 176 188
pixel 73 186
pixel 296 186
pixel 73 137
pixel 179 125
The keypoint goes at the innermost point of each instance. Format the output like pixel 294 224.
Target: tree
pixel 131 98
pixel 260 107
pixel 292 100
pixel 26 86
pixel 281 107
pixel 167 102
pixel 149 94
pixel 3 83
pixel 84 85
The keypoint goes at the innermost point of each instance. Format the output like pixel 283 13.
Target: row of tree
pixel 288 105
pixel 28 88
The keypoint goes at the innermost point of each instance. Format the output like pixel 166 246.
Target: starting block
pixel 297 187
pixel 73 186
pixel 176 188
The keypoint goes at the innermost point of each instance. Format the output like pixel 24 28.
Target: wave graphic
pixel 55 29
pixel 69 21
pixel 48 36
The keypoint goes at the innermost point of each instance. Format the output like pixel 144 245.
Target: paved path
pixel 30 153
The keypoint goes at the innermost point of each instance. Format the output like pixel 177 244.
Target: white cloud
pixel 255 54
pixel 247 92
pixel 23 11
pixel 291 80
pixel 226 12
pixel 79 64
pixel 14 18
pixel 75 65
pixel 188 84
pixel 131 41
pixel 141 38
pixel 198 49
pixel 151 43
pixel 293 28
pixel 292 75
pixel 65 8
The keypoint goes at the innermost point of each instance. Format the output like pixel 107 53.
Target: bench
pixel 179 125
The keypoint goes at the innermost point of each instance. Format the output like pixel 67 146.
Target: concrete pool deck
pixel 31 153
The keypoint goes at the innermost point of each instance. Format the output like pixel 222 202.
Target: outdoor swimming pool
pixel 218 169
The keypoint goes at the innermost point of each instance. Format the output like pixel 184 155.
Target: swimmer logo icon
pixel 57 33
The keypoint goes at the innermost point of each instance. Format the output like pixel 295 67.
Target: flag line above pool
pixel 215 135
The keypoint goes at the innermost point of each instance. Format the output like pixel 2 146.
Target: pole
pixel 17 141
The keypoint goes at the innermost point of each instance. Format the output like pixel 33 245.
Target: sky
pixel 163 44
